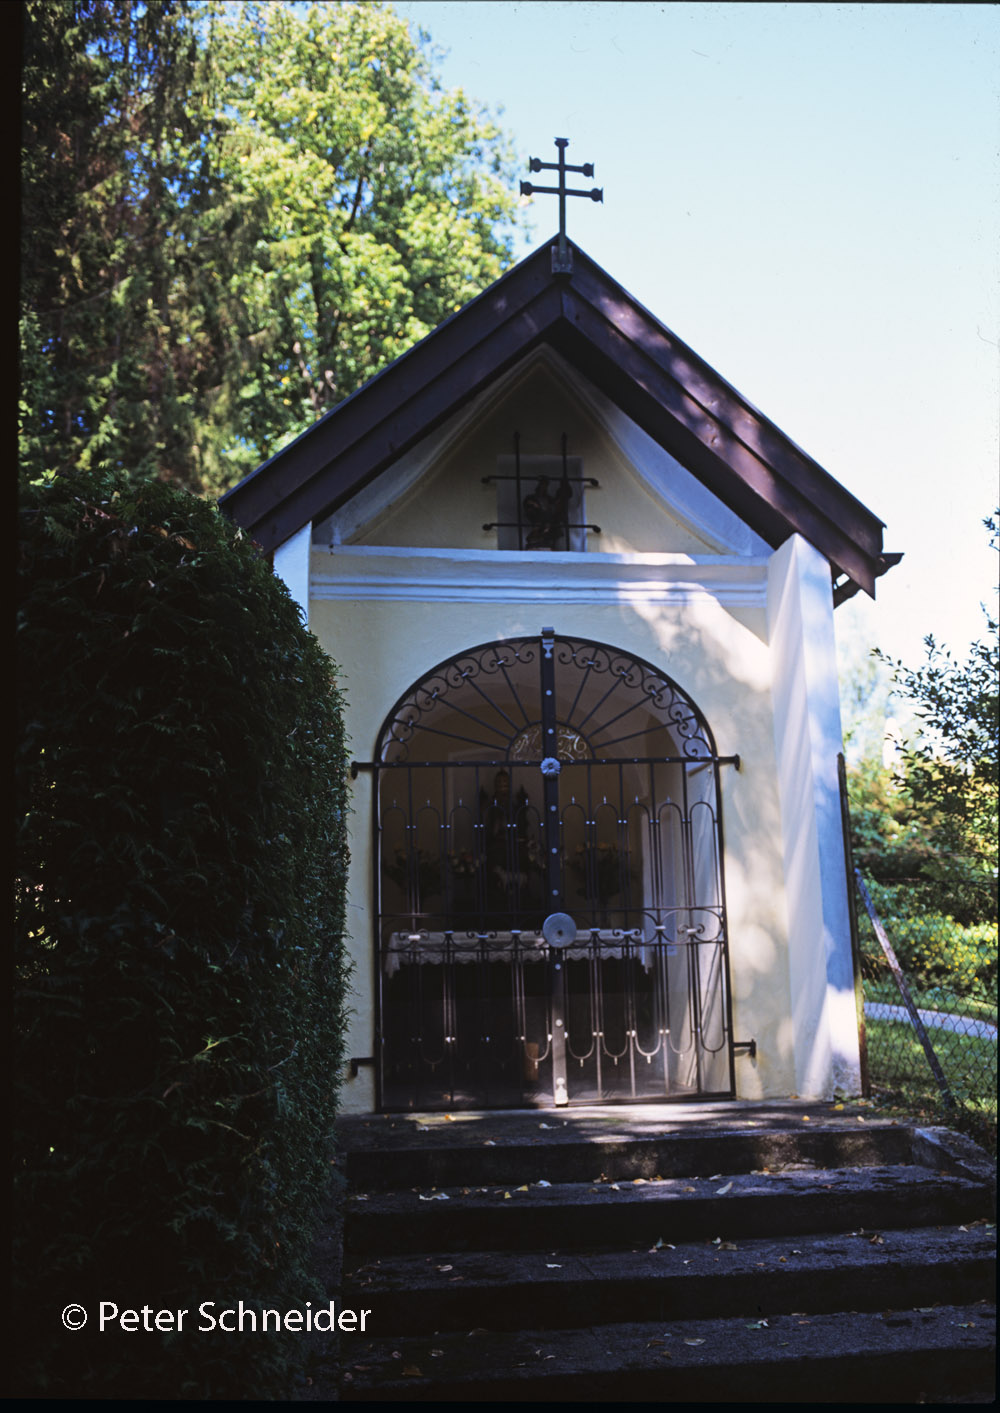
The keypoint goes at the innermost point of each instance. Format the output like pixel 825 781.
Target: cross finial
pixel 562 256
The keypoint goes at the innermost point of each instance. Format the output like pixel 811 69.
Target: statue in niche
pixel 546 515
pixel 513 854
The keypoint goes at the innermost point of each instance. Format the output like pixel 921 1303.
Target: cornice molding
pixel 497 576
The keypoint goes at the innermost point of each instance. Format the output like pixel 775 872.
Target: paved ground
pixel 933 1020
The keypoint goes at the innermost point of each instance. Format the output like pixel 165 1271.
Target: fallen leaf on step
pixel 542 1183
pixel 434 1197
pixel 636 1181
pixel 715 1177
pixel 760 1325
pixel 446 1268
pixel 437 1353
pixel 410 1371
pixel 694 1341
pixel 522 1188
pixel 805 1118
pixel 690 1189
pixel 728 1246
pixel 489 1143
pixel 551 1266
pixel 544 1125
pixel 723 1190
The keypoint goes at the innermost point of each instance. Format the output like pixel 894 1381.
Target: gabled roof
pixel 598 328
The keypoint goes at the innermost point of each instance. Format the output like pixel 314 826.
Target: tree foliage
pixel 179 984
pixel 952 764
pixel 233 216
pixel 931 822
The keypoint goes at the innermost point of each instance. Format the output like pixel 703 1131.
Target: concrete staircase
pixel 729 1254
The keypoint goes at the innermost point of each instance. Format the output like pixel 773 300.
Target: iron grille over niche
pixel 540 501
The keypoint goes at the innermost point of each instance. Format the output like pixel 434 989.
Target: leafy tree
pixel 124 342
pixel 381 195
pixel 233 216
pixel 949 772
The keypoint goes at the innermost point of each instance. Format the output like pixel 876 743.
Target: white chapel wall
pixel 385 644
pixel 808 738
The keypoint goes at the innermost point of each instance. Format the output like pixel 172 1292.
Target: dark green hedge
pixel 179 966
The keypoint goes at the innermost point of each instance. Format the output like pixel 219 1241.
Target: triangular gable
pixel 692 519
pixel 629 356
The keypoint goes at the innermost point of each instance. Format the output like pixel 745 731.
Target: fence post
pixel 904 991
pixel 852 912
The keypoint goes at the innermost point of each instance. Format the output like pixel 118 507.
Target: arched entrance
pixel 551 922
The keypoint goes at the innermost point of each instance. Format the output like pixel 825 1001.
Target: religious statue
pixel 546 515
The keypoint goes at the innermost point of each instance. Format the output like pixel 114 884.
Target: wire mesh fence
pixel 930 989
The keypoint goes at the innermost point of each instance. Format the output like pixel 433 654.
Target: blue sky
pixel 808 195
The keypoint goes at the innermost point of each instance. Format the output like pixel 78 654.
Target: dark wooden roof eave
pixel 599 329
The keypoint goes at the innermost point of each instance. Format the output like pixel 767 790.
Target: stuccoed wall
pixel 723 663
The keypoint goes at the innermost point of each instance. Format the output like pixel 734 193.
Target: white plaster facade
pixel 404 575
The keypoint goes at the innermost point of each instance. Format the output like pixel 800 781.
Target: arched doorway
pixel 551 922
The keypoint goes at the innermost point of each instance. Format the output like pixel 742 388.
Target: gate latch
pixel 559 930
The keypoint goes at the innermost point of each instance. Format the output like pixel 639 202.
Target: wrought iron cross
pixel 562 257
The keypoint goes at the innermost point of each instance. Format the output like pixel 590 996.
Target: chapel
pixel 581 594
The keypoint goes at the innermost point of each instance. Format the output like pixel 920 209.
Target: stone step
pixel 576 1216
pixel 758 1278
pixel 889 1356
pixel 817 1257
pixel 557 1155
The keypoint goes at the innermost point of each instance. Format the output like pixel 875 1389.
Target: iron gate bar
pixel 553 867
pixel 357 766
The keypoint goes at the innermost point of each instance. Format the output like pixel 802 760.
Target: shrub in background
pixel 179 966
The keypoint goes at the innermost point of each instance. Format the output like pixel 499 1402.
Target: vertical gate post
pixel 553 869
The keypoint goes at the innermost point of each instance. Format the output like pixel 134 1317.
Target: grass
pixel 902 1081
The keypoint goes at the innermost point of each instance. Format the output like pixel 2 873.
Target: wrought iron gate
pixel 551 912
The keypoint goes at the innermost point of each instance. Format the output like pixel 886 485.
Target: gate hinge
pixel 358 1060
pixel 750 1046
